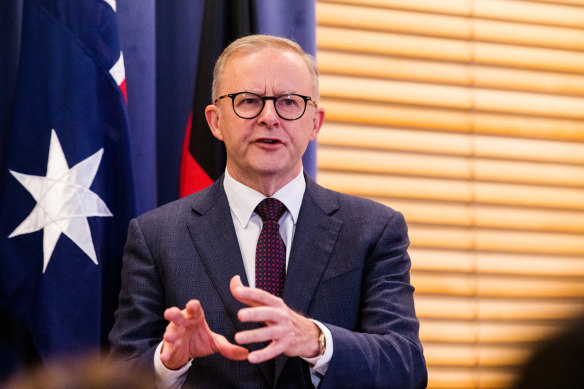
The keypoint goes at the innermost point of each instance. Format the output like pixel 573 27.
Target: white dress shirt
pixel 248 225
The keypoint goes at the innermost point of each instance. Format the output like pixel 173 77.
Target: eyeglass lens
pixel 249 105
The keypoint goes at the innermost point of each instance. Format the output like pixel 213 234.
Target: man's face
pixel 267 146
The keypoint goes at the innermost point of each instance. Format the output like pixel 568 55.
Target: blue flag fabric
pixel 66 185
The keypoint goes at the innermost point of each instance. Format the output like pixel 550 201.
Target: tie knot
pixel 270 209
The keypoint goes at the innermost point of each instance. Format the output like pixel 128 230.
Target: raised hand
pixel 188 336
pixel 288 332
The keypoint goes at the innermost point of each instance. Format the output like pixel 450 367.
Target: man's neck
pixel 266 185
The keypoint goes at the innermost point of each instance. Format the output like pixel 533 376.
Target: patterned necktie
pixel 270 250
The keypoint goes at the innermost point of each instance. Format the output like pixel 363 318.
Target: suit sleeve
pixel 139 322
pixel 384 351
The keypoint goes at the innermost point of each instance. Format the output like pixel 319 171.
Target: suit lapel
pixel 317 231
pixel 213 234
pixel 314 239
pixel 215 240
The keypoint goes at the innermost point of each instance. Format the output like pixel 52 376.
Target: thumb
pixel 235 283
pixel 229 350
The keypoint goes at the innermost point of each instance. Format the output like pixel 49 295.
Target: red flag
pixel 192 176
pixel 203 158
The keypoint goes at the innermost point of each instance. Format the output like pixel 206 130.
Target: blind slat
pixel 384 114
pixel 379 161
pixel 449 331
pixel 359 64
pixel 497 240
pixel 459 27
pixel 452 261
pixel 376 185
pixel 491 286
pixel 434 142
pixel 469 355
pixel 537 13
pixel 487 216
pixel 453 120
pixel 504 309
pixel 468 378
pixel 328 14
pixel 451 96
pixel 519 11
pixel 455 7
pixel 450 49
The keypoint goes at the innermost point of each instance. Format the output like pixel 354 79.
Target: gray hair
pixel 253 43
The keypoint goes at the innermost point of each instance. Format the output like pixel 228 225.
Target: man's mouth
pixel 269 141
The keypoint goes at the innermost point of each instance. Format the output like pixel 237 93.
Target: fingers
pixel 288 333
pixel 261 314
pixel 235 282
pixel 192 312
pixel 193 307
pixel 229 350
pixel 175 329
pixel 262 334
pixel 252 296
pixel 188 336
pixel 276 347
pixel 174 315
pixel 269 352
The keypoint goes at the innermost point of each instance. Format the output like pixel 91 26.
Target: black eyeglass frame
pixel 232 96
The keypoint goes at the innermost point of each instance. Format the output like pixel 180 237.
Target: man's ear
pixel 212 116
pixel 317 122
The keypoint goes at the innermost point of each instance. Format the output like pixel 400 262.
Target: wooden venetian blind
pixel 467 116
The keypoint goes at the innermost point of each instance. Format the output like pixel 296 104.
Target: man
pixel 345 317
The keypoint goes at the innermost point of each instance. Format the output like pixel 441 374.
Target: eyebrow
pixel 277 93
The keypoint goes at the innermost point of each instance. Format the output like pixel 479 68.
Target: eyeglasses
pixel 248 105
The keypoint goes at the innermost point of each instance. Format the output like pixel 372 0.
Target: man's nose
pixel 269 115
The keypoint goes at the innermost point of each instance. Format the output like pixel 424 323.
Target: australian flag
pixel 66 185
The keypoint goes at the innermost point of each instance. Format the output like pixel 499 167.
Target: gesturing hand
pixel 188 336
pixel 289 332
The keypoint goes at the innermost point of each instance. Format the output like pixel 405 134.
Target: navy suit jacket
pixel 348 268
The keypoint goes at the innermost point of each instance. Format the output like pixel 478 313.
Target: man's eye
pixel 289 101
pixel 249 101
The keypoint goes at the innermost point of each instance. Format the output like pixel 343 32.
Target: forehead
pixel 268 70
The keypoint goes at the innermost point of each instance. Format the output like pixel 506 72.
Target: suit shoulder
pixel 351 203
pixel 176 206
pixel 178 209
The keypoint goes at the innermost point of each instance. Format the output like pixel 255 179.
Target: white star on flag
pixel 64 201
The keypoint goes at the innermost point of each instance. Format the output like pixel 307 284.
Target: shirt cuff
pixel 167 378
pixel 320 362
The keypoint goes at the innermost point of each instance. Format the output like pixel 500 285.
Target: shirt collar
pixel 243 199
